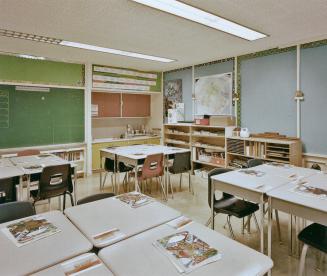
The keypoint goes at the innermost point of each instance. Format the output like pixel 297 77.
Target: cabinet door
pixel 136 105
pixel 108 104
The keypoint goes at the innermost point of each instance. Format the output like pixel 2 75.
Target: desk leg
pixel 269 229
pixel 114 185
pixel 100 171
pixel 290 234
pixel 212 210
pixel 136 181
pixel 262 222
pixel 75 185
pixel 28 187
pixel 21 189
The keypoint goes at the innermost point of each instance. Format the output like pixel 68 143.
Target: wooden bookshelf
pixel 207 143
pixel 239 150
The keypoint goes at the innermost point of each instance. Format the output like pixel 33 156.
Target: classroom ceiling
pixel 126 25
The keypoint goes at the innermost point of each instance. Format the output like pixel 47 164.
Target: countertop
pixel 107 140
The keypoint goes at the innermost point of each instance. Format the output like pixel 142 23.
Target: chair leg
pixel 104 181
pixel 163 189
pixel 278 227
pixel 171 186
pixel 71 199
pixel 256 222
pixel 190 185
pixel 180 181
pixel 302 260
pixel 230 228
pixel 113 184
pixel 64 202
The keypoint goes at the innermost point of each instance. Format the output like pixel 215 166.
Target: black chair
pixel 16 210
pixel 55 181
pixel 109 166
pixel 230 205
pixel 8 190
pixel 95 197
pixel 314 235
pixel 254 162
pixel 181 164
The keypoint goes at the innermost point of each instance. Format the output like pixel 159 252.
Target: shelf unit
pixel 207 144
pixel 239 150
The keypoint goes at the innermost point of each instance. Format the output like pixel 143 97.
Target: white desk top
pixel 57 270
pixel 260 184
pixel 103 215
pixel 285 193
pixel 8 169
pixel 69 242
pixel 286 171
pixel 145 259
pixel 23 162
pixel 138 152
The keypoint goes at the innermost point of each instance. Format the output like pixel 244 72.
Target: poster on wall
pixel 213 95
pixel 173 95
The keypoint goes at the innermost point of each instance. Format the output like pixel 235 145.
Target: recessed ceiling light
pixel 31 57
pixel 38 38
pixel 202 17
pixel 112 51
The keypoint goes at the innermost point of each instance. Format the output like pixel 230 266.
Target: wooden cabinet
pixel 136 105
pixel 120 105
pixel 108 104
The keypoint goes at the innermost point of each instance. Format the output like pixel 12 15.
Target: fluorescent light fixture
pixel 32 88
pixel 194 14
pixel 50 40
pixel 112 51
pixel 31 57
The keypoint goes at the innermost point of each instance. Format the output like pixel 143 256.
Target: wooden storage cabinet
pixel 239 150
pixel 121 105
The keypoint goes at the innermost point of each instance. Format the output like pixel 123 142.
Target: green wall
pixel 17 69
pixel 43 118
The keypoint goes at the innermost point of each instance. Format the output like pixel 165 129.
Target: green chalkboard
pixel 16 69
pixel 43 118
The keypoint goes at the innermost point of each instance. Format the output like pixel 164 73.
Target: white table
pixel 9 170
pixel 134 155
pixel 57 270
pixel 42 160
pixel 250 187
pixel 138 257
pixel 45 252
pixel 103 215
pixel 304 206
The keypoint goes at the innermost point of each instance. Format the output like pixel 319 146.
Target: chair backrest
pixel 315 166
pixel 109 165
pixel 54 181
pixel 182 162
pixel 28 152
pixel 153 166
pixel 254 162
pixel 7 187
pixel 212 173
pixel 16 210
pixel 95 197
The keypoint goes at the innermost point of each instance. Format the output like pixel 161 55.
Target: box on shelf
pixel 222 120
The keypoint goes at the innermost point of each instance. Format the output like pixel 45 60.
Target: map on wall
pixel 213 95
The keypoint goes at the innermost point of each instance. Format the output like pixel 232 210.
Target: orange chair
pixel 153 167
pixel 28 152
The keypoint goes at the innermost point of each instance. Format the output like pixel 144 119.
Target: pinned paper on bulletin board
pixel 4 109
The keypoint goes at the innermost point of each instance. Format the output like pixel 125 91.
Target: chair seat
pixel 315 235
pixel 235 207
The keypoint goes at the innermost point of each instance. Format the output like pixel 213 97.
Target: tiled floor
pixel 197 208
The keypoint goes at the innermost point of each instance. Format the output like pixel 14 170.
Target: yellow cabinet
pixel 96 147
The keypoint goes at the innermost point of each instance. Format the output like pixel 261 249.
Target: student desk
pixel 255 188
pixel 134 155
pixel 40 254
pixel 9 170
pixel 103 215
pixel 298 204
pixel 145 259
pixel 57 270
pixel 23 162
